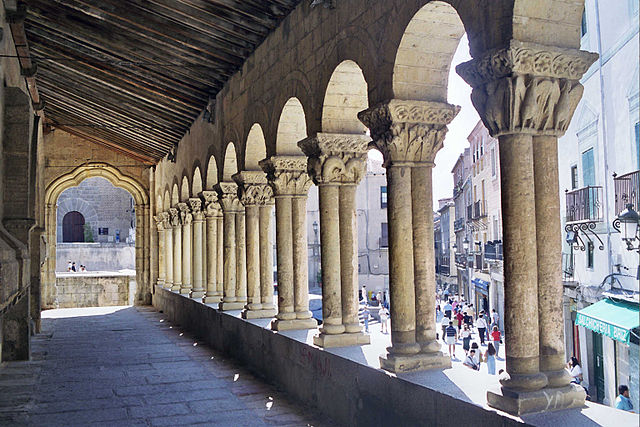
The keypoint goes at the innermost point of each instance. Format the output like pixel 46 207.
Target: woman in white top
pixel 575 370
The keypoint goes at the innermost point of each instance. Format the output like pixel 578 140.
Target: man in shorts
pixel 451 336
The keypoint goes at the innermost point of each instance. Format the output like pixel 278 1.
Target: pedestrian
pixel 439 316
pixel 73 267
pixel 460 318
pixel 490 359
pixel 467 319
pixel 447 309
pixel 384 318
pixel 470 362
pixel 451 337
pixel 82 268
pixel 496 338
pixel 623 401
pixel 481 325
pixel 365 315
pixel 495 318
pixel 573 366
pixel 466 338
pixel 69 265
pixel 471 311
pixel 444 323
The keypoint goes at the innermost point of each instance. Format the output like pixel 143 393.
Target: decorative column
pixel 336 163
pixel 177 249
pixel 186 218
pixel 168 249
pixel 212 212
pixel 288 177
pixel 198 290
pixel 409 134
pixel 220 253
pixel 161 251
pixel 228 196
pixel 241 255
pixel 526 95
pixel 255 193
pixel 266 259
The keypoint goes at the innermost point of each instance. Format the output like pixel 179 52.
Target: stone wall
pixel 94 290
pixel 96 256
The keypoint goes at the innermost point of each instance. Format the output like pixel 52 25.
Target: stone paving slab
pixel 130 366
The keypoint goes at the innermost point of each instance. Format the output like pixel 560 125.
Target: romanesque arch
pixel 196 184
pixel 211 173
pixel 184 189
pixel 292 127
pixel 230 165
pixel 255 148
pixel 345 97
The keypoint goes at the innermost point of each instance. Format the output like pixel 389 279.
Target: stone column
pixel 228 196
pixel 266 260
pixel 255 193
pixel 526 93
pixel 336 163
pixel 198 290
pixel 168 249
pixel 288 177
pixel 186 218
pixel 409 134
pixel 177 249
pixel 212 211
pixel 241 255
pixel 161 251
pixel 220 254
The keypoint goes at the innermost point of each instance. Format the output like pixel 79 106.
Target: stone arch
pixel 175 195
pixel 296 86
pixel 230 165
pixel 560 19
pixel 159 203
pixel 196 182
pixel 166 201
pixel 78 205
pixel 292 127
pixel 184 189
pixel 345 97
pixel 424 54
pixel 255 148
pixel 212 173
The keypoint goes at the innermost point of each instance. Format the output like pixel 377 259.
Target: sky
pixel 456 140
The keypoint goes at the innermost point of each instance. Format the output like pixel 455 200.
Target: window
pixel 103 231
pixel 384 235
pixel 493 162
pixel 583 25
pixel 383 197
pixel 590 250
pixel 588 168
pixel 574 177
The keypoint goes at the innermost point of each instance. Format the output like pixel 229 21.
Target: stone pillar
pixel 526 95
pixel 177 249
pixel 255 194
pixel 228 196
pixel 220 254
pixel 266 260
pixel 212 212
pixel 198 290
pixel 161 264
pixel 241 255
pixel 288 177
pixel 168 249
pixel 186 218
pixel 336 163
pixel 409 134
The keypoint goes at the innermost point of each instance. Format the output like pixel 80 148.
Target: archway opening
pixel 292 127
pixel 256 149
pixel 230 166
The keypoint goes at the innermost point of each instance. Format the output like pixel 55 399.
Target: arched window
pixel 73 227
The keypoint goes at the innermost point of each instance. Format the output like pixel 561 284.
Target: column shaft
pixel 241 257
pixel 330 260
pixel 266 258
pixel 284 248
pixel 349 258
pixel 229 258
pixel 212 295
pixel 177 258
pixel 186 259
pixel 168 256
pixel 220 256
pixel 198 282
pixel 252 218
pixel 300 257
pixel 162 275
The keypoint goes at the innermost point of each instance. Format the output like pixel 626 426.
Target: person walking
pixel 459 318
pixel 439 316
pixel 481 325
pixel 384 318
pixel 623 401
pixel 490 359
pixel 496 338
pixel 365 315
pixel 451 336
pixel 69 265
pixel 495 319
pixel 447 309
pixel 466 338
pixel 444 323
pixel 73 267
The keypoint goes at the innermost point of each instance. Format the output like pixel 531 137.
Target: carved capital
pixel 287 175
pixel 185 214
pixel 408 131
pixel 527 87
pixel 336 158
pixel 159 222
pixel 196 209
pixel 228 196
pixel 212 206
pixel 253 188
pixel 175 217
pixel 165 218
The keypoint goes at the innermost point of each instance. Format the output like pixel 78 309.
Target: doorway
pixel 598 367
pixel 73 227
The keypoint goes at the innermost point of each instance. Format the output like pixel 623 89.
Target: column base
pixel 175 288
pixel 294 324
pixel 228 306
pixel 215 299
pixel 341 340
pixel 197 294
pixel 527 402
pixel 160 282
pixel 414 362
pixel 167 285
pixel 185 291
pixel 258 314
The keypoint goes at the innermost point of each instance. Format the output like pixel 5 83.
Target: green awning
pixel 614 319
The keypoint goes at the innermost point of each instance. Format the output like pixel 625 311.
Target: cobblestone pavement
pixel 129 366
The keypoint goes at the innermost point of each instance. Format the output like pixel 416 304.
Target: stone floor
pixel 129 366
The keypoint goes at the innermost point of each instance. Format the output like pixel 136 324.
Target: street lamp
pixel 465 244
pixel 629 221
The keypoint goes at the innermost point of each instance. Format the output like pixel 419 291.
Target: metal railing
pixel 584 204
pixel 469 212
pixel 479 209
pixel 627 191
pixel 493 251
pixel 458 224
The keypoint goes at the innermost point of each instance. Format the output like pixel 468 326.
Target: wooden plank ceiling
pixel 135 74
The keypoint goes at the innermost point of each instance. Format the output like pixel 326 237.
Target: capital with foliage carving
pixel 211 204
pixel 185 214
pixel 228 196
pixel 159 222
pixel 165 218
pixel 287 175
pixel 336 158
pixel 175 217
pixel 196 209
pixel 407 131
pixel 527 87
pixel 253 188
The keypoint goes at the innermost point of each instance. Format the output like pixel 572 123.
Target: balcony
pixel 493 251
pixel 584 205
pixel 469 212
pixel 479 209
pixel 458 225
pixel 627 190
pixel 567 266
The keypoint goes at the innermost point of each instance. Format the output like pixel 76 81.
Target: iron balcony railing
pixel 493 251
pixel 627 191
pixel 469 212
pixel 479 209
pixel 458 225
pixel 584 205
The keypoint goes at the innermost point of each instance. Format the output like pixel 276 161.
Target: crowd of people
pixel 71 266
